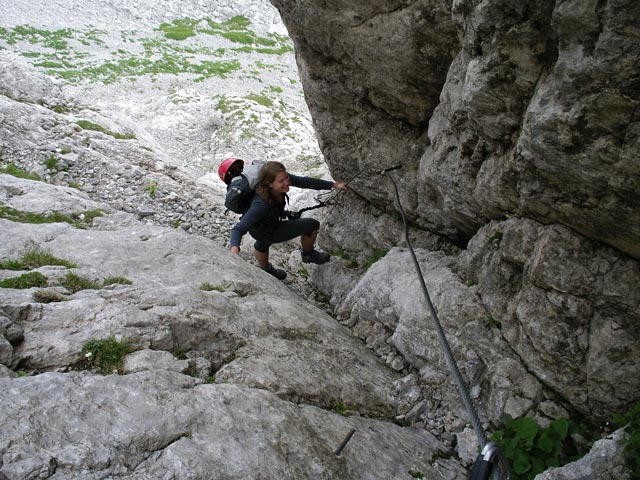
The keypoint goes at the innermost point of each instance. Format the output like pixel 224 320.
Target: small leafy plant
pixel 151 188
pixel 51 163
pixel 631 440
pixel 342 409
pixel 107 355
pixel 530 448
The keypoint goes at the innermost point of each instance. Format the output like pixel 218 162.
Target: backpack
pixel 241 187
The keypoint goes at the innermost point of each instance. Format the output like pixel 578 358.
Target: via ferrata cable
pixel 490 452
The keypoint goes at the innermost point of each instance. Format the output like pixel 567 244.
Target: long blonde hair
pixel 266 177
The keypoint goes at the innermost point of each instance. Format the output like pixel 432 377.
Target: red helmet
pixel 229 168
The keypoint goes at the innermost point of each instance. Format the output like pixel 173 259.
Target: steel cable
pixel 502 471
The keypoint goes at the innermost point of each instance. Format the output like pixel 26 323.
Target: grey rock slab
pixel 605 461
pixel 190 295
pixel 566 304
pixel 43 198
pixel 161 424
pixel 388 311
pixel 153 360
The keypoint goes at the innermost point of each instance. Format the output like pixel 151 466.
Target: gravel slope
pixel 255 111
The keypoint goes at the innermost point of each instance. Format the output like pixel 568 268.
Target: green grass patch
pixel 74 283
pixel 165 53
pixel 238 37
pixel 135 66
pixel 260 99
pixel 87 125
pixel 490 322
pixel 51 162
pixel 107 355
pixel 116 281
pixel 54 39
pixel 275 51
pixel 78 220
pixel 342 409
pixel 179 29
pixel 239 22
pixel 208 287
pixel 32 259
pixel 11 169
pixel 151 188
pixel 352 262
pixel 60 109
pixel 375 255
pixel 27 280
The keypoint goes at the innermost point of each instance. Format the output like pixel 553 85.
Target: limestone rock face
pixel 605 462
pixel 516 126
pixel 156 423
pixel 231 375
pixel 567 305
pixel 493 108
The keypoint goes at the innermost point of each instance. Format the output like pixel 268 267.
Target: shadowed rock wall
pixel 512 120
pixel 494 108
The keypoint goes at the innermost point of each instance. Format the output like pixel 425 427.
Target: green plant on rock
pixel 87 125
pixel 107 355
pixel 51 162
pixel 490 322
pixel 74 283
pixel 208 287
pixel 495 237
pixel 375 255
pixel 179 28
pixel 27 280
pixel 78 220
pixel 13 170
pixel 116 281
pixel 342 409
pixel 351 261
pixel 151 188
pixel 631 440
pixel 34 258
pixel 529 448
pixel 260 99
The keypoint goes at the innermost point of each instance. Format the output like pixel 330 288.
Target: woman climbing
pixel 266 222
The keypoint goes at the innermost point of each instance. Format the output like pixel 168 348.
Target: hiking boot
pixel 314 256
pixel 276 272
